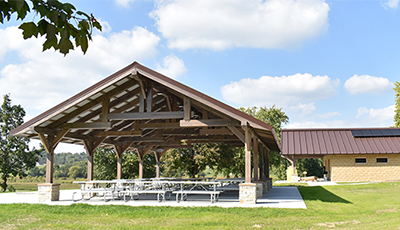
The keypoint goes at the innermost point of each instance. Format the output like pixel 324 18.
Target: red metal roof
pixel 338 141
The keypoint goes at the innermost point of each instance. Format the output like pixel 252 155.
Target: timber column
pixel 247 190
pixel 50 191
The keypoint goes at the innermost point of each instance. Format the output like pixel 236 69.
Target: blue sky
pixel 325 63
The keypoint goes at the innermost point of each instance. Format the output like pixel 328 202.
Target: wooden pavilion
pixel 141 110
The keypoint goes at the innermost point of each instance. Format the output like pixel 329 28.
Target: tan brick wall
pixel 343 168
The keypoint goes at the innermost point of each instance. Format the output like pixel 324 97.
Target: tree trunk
pixel 4 184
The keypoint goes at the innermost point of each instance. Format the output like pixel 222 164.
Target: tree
pixel 397 104
pixel 58 22
pixel 275 117
pixel 15 157
pixel 191 161
pixel 313 167
pixel 105 165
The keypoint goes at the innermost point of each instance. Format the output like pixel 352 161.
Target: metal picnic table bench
pixel 90 189
pixel 196 187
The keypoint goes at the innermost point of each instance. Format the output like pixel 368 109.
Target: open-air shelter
pixel 139 109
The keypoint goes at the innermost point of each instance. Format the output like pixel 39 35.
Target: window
pixel 361 160
pixel 382 160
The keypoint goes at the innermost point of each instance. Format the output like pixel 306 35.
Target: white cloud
pixel 222 24
pixel 329 115
pixel 44 79
pixel 285 91
pixel 393 4
pixel 124 3
pixel 377 117
pixel 366 84
pixel 172 66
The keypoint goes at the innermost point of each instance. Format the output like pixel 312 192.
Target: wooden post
pixel 158 156
pixel 90 146
pixel 119 167
pixel 262 163
pixel 89 150
pixel 50 143
pixel 141 154
pixel 186 109
pixel 49 166
pixel 255 159
pixel 247 150
pixel 267 163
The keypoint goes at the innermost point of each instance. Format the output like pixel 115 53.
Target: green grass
pixel 368 206
pixel 23 186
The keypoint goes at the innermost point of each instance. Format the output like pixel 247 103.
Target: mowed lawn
pixel 366 206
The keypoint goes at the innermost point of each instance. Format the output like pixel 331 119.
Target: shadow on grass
pixel 321 194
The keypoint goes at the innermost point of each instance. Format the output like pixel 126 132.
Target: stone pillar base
pixel 259 189
pixel 270 184
pixel 265 186
pixel 49 192
pixel 248 193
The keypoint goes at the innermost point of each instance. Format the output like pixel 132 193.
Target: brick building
pixel 363 154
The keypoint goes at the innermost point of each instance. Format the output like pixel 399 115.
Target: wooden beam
pixel 89 105
pixel 145 115
pixel 187 109
pixel 120 133
pixel 237 133
pixel 142 87
pixel 59 136
pixel 105 110
pixel 141 103
pixel 205 123
pixel 256 136
pixel 149 101
pixel 206 131
pixel 157 125
pixel 94 125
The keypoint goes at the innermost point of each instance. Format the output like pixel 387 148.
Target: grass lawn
pixel 365 206
pixel 32 186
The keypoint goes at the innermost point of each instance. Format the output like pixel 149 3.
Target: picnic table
pixel 89 189
pixel 196 187
pixel 229 184
pixel 161 188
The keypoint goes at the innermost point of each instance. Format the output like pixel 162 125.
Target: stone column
pixel 49 192
pixel 248 193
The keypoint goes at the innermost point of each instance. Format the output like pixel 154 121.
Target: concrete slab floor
pixel 277 197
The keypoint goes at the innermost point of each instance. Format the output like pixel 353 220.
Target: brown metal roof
pixel 82 116
pixel 303 142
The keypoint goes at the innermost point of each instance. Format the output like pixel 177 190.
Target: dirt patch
pixel 387 210
pixel 334 224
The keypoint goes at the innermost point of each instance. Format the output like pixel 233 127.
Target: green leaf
pixel 43 10
pixel 97 25
pixel 68 8
pixel 83 43
pixel 65 44
pixel 29 29
pixel 84 25
pixel 42 27
pixel 53 16
pixel 51 32
pixel 83 13
pixel 50 43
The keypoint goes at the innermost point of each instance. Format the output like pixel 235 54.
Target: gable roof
pixel 303 142
pixel 122 93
